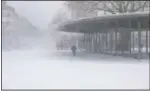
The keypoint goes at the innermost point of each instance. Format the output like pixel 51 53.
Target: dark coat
pixel 73 48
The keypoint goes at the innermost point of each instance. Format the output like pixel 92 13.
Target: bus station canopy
pixel 106 23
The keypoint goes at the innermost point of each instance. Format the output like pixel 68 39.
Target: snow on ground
pixel 143 50
pixel 42 69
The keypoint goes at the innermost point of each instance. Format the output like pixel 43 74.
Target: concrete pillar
pixel 90 40
pixel 130 26
pixel 133 38
pixel 106 42
pixel 146 40
pixel 115 41
pixel 99 36
pixel 139 39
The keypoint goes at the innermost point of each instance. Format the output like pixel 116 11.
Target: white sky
pixel 38 12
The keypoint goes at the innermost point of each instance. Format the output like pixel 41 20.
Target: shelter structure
pixel 121 34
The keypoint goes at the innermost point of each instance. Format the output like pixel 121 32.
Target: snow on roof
pixel 122 15
pixel 101 19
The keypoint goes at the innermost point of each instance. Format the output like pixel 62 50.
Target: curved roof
pixel 103 23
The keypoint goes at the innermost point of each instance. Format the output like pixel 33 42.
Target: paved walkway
pixel 85 56
pixel 66 55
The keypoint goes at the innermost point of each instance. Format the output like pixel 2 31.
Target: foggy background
pixel 36 55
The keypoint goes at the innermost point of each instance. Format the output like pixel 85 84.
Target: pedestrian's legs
pixel 74 53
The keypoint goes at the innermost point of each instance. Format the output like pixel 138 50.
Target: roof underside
pixel 107 23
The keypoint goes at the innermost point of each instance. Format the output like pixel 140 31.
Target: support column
pixel 92 42
pixel 83 42
pixel 112 41
pixel 103 41
pixel 86 39
pixel 96 42
pixel 139 38
pixel 100 42
pixel 149 41
pixel 146 41
pixel 133 38
pixel 130 38
pixel 116 41
pixel 89 42
pixel 106 43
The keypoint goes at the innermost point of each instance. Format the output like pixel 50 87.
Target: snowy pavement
pixel 42 69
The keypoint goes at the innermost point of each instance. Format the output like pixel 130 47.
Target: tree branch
pixel 126 6
pixel 108 9
pixel 113 5
pixel 140 7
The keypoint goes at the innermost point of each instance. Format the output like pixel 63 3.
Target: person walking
pixel 74 48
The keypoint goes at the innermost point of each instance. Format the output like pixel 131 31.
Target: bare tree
pixel 112 7
pixel 80 9
pixel 115 7
pixel 59 17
